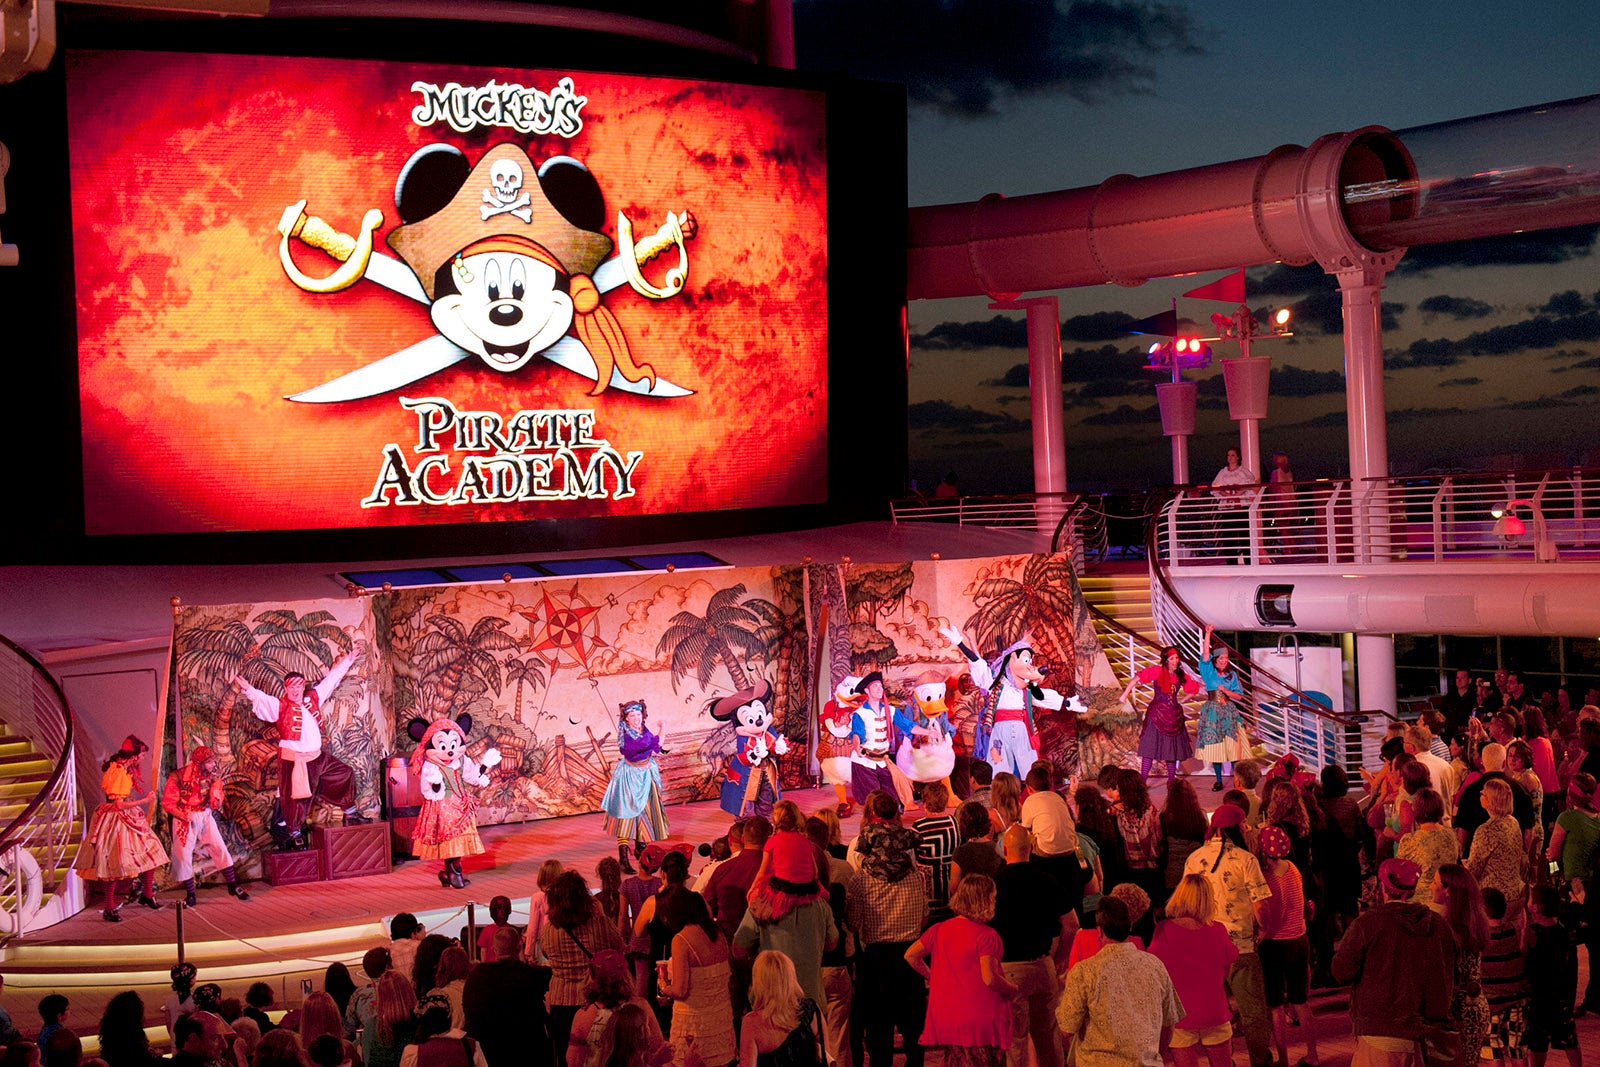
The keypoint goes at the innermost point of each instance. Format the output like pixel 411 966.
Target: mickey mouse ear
pixel 464 720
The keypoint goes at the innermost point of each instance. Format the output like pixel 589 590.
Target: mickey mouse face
pixel 753 718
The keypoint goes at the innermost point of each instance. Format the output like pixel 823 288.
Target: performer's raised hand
pixel 953 635
pixel 491 758
pixel 781 745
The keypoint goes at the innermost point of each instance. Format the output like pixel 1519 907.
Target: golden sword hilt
pixel 353 253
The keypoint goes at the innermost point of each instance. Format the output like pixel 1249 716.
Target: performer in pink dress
pixel 447 827
pixel 1165 735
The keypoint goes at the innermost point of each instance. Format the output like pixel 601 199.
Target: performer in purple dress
pixel 1165 735
pixel 633 799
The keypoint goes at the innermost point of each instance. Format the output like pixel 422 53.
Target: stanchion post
pixel 472 929
pixel 180 931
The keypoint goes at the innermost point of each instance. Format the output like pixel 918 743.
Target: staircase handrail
pixel 1034 511
pixel 1339 522
pixel 1263 689
pixel 53 736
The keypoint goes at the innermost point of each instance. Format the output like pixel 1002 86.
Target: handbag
pixel 1439 1044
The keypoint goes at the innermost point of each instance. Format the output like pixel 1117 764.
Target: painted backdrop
pixel 542 667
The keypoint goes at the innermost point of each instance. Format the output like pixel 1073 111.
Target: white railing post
pixel 1438 523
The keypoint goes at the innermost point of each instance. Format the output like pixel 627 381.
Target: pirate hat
pixel 723 710
pixel 429 243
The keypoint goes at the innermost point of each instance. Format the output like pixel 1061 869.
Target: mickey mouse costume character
pixel 446 828
pixel 633 798
pixel 305 770
pixel 752 772
pixel 190 798
pixel 120 843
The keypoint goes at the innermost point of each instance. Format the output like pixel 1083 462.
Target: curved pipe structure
pixel 1536 168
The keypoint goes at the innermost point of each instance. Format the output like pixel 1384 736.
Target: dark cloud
pixel 1570 302
pixel 1016 377
pixel 1568 353
pixel 1124 415
pixel 1542 331
pixel 1289 380
pixel 1281 280
pixel 1327 418
pixel 1581 390
pixel 1588 364
pixel 998 332
pixel 1461 381
pixel 1323 311
pixel 1515 249
pixel 931 414
pixel 1455 307
pixel 969 57
pixel 1100 326
pixel 1540 403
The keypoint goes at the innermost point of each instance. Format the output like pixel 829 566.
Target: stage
pixel 289 932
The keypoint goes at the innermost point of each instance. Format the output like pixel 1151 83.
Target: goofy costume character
pixel 190 798
pixel 305 771
pixel 1007 735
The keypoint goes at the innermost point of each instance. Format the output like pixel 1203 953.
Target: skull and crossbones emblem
pixel 504 196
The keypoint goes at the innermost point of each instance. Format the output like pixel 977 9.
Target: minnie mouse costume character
pixel 446 828
pixel 752 772
pixel 633 798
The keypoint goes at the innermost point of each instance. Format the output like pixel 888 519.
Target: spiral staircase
pixel 41 820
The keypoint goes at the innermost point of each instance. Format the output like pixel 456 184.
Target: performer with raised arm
pixel 1006 735
pixel 632 803
pixel 120 843
pixel 447 826
pixel 305 771
pixel 873 726
pixel 1165 735
pixel 1221 728
pixel 190 798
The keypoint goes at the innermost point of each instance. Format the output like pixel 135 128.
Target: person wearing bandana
pixel 190 797
pixel 305 771
pixel 632 802
pixel 120 844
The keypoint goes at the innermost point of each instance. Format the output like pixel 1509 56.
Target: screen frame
pixel 866 205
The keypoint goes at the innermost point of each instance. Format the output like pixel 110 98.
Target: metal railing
pixel 34 844
pixel 1070 519
pixel 1454 517
pixel 1276 712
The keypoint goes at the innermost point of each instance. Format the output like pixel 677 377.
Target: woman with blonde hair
pixel 1198 953
pixel 969 998
pixel 1005 801
pixel 1497 858
pixel 246 1036
pixel 836 845
pixel 1461 899
pixel 280 1048
pixel 781 1016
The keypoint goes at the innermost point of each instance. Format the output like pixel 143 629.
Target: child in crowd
pixel 794 872
pixel 53 1012
pixel 1503 982
pixel 539 909
pixel 1552 976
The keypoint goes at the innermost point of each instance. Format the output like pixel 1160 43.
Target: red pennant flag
pixel 1229 288
pixel 1162 325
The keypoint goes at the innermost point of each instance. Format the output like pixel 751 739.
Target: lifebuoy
pixel 18 862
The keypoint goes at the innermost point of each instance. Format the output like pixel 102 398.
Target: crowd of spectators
pixel 1452 893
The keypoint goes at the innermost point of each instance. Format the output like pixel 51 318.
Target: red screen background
pixel 190 334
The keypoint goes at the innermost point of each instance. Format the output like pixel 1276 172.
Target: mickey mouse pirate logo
pixel 508 259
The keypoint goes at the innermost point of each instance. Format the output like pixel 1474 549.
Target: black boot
pixel 457 879
pixel 626 861
pixel 235 890
pixel 188 893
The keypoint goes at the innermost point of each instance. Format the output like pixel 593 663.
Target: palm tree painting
pixel 448 653
pixel 700 643
pixel 1040 604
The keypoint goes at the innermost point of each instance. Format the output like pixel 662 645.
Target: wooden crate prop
pixel 294 868
pixel 352 851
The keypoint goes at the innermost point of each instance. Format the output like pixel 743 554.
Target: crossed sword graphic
pixel 359 260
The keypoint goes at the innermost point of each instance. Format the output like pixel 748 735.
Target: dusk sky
pixel 1493 347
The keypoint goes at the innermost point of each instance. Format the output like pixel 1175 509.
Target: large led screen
pixel 329 293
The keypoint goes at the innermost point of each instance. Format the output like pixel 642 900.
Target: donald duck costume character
pixel 1006 735
pixel 927 749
